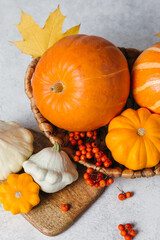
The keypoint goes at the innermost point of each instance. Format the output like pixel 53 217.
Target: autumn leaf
pixel 158 34
pixel 37 40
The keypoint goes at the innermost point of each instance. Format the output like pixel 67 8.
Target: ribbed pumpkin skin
pixel 95 79
pixel 146 79
pixel 128 147
pixel 26 189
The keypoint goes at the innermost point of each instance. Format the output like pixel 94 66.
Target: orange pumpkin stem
pixel 141 131
pixel 58 87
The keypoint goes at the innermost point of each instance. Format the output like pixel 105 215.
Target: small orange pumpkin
pixel 134 138
pixel 81 83
pixel 146 79
pixel 19 194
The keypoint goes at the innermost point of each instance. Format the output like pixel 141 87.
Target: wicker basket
pixel 60 135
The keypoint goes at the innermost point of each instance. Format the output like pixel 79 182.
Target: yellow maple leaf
pixel 37 40
pixel 158 34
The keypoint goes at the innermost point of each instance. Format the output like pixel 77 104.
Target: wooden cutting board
pixel 48 217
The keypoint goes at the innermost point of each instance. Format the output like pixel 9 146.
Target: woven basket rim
pixel 50 131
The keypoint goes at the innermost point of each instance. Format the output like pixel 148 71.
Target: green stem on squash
pixel 56 147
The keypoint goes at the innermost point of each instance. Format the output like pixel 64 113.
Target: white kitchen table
pixel 126 23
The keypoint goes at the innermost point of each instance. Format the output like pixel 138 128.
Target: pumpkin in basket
pixel 146 78
pixel 134 138
pixel 81 83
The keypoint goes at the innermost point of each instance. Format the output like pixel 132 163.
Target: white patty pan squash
pixel 16 146
pixel 51 168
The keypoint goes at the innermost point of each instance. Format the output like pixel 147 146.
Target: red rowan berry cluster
pixel 123 195
pixel 97 179
pixel 77 138
pixel 87 149
pixel 127 231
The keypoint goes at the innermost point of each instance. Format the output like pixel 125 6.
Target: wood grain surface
pixel 48 217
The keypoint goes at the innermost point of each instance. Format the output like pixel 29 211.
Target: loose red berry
pixel 107 163
pixel 132 232
pixel 82 147
pixel 94 144
pixel 65 207
pixel 89 170
pixel 98 164
pixel 89 134
pixel 128 226
pixel 78 153
pixel 86 176
pixel 89 155
pixel 121 227
pixel 128 194
pixel 123 232
pixel 104 158
pixel 83 152
pixel 76 133
pixel 110 180
pixel 107 183
pixel 80 142
pixel 82 134
pixel 94 138
pixel 96 184
pixel 74 142
pixel 76 137
pixel 121 196
pixel 76 158
pixel 89 181
pixel 95 150
pixel 83 157
pixel 91 184
pixel 98 155
pixel 102 183
pixel 128 237
pixel 71 134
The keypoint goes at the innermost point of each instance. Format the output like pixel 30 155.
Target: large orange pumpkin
pixel 146 78
pixel 81 83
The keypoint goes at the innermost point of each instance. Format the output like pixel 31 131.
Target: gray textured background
pixel 128 23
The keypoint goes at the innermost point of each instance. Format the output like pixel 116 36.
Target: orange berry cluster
pixel 88 150
pixel 96 179
pixel 126 231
